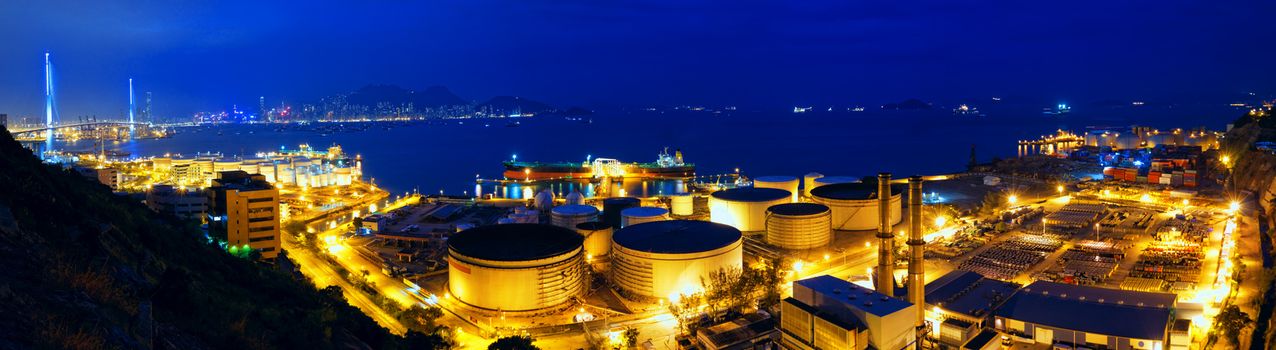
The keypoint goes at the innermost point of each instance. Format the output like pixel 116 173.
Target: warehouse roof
pixel 852 190
pixel 793 209
pixel 676 236
pixel 1112 312
pixel 968 292
pixel 515 242
pixel 752 194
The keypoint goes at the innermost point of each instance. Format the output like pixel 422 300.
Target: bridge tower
pixel 132 108
pixel 48 102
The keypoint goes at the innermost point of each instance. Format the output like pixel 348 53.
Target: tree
pixel 1231 321
pixel 422 319
pixel 357 222
pixel 513 342
pixel 631 338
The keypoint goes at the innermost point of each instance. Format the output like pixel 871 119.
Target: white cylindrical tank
pixel 664 259
pixel 854 205
pixel 683 205
pixel 787 183
pixel 745 208
pixel 567 216
pixel 516 267
pixel 638 215
pixel 808 182
pixel 799 225
pixel 597 237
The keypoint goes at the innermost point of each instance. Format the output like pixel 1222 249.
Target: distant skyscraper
pixel 261 109
pixel 146 114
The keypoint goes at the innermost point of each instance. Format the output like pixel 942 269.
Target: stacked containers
pixel 1189 178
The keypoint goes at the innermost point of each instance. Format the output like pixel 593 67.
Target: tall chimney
pixel 886 239
pixel 916 252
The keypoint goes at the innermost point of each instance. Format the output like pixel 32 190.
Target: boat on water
pixel 966 110
pixel 665 166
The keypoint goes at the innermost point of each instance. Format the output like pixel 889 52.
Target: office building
pixel 178 201
pixel 246 208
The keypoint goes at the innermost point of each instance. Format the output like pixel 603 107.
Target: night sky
pixel 207 55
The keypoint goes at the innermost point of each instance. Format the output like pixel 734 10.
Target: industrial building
pixel 663 259
pixel 178 201
pixel 1056 313
pixel 960 303
pixel 829 313
pixel 246 208
pixel 745 208
pixel 516 267
pixel 799 225
pixel 854 205
pixel 304 167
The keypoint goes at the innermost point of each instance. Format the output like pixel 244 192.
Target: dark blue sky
pixel 208 55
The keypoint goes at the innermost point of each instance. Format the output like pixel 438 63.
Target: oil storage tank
pixel 799 225
pixel 682 205
pixel 567 216
pixel 597 237
pixel 787 183
pixel 745 208
pixel 638 215
pixel 613 206
pixel 854 205
pixel 663 259
pixel 829 180
pixel 516 267
pixel 808 182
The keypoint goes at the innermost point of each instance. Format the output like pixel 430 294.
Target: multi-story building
pixel 246 208
pixel 179 201
pixel 829 313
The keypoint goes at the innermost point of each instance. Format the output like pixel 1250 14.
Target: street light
pixel 1012 199
pixel 940 221
pixel 1059 189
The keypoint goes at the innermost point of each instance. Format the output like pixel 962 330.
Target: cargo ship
pixel 665 166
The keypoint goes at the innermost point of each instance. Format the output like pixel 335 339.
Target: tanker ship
pixel 665 166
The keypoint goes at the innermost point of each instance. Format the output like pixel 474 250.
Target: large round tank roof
pixel 778 178
pixel 620 201
pixel 676 236
pixel 593 226
pixel 752 194
pixel 797 209
pixel 575 209
pixel 643 212
pixel 852 191
pixel 515 242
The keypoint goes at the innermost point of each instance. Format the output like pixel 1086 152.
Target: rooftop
pixel 1111 312
pixel 968 292
pixel 515 242
pixel 794 209
pixel 752 194
pixel 676 236
pixel 852 190
pixel 855 296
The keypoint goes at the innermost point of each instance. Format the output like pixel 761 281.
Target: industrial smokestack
pixel 916 252
pixel 886 239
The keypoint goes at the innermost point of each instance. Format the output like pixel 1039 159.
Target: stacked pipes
pixel 886 239
pixel 916 250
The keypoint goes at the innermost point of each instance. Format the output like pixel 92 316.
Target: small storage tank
pixel 613 206
pixel 597 237
pixel 638 215
pixel 854 205
pixel 799 225
pixel 787 183
pixel 567 216
pixel 516 267
pixel 663 259
pixel 683 205
pixel 745 208
pixel 808 182
pixel 575 198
